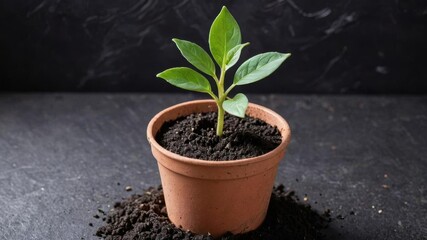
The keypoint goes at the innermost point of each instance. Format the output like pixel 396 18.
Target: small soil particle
pixel 145 217
pixel 128 188
pixel 194 136
pixel 101 211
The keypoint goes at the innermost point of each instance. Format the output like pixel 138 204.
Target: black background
pixel 338 46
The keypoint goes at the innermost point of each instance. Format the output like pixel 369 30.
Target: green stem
pixel 220 123
pixel 221 99
pixel 213 96
pixel 215 78
pixel 229 89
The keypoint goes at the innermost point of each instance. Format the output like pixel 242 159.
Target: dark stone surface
pixel 338 46
pixel 62 155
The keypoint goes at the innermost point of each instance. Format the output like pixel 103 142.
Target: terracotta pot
pixel 217 196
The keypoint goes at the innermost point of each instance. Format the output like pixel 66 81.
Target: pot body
pixel 217 197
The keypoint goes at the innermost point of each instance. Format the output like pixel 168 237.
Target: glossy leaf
pixel 196 56
pixel 234 54
pixel 259 67
pixel 223 36
pixel 236 106
pixel 186 78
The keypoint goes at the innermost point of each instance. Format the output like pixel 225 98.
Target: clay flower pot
pixel 217 196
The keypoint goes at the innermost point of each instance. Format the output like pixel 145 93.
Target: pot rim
pixel 286 134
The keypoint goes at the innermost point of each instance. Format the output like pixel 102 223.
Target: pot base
pixel 216 207
pixel 287 218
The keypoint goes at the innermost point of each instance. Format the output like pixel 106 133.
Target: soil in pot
pixel 195 136
pixel 144 216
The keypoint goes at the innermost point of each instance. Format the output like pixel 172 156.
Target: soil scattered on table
pixel 195 136
pixel 144 216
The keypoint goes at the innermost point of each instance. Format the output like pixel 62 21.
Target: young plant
pixel 225 43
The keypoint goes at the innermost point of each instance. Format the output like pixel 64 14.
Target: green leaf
pixel 234 54
pixel 237 105
pixel 196 56
pixel 223 36
pixel 186 78
pixel 259 67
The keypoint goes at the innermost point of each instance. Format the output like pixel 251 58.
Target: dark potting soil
pixel 195 136
pixel 145 217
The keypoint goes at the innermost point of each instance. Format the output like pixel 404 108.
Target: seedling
pixel 225 43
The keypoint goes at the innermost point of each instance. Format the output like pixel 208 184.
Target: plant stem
pixel 221 99
pixel 229 89
pixel 220 122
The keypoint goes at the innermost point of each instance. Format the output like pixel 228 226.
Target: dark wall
pixel 338 46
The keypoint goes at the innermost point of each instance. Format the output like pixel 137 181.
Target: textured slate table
pixel 63 155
